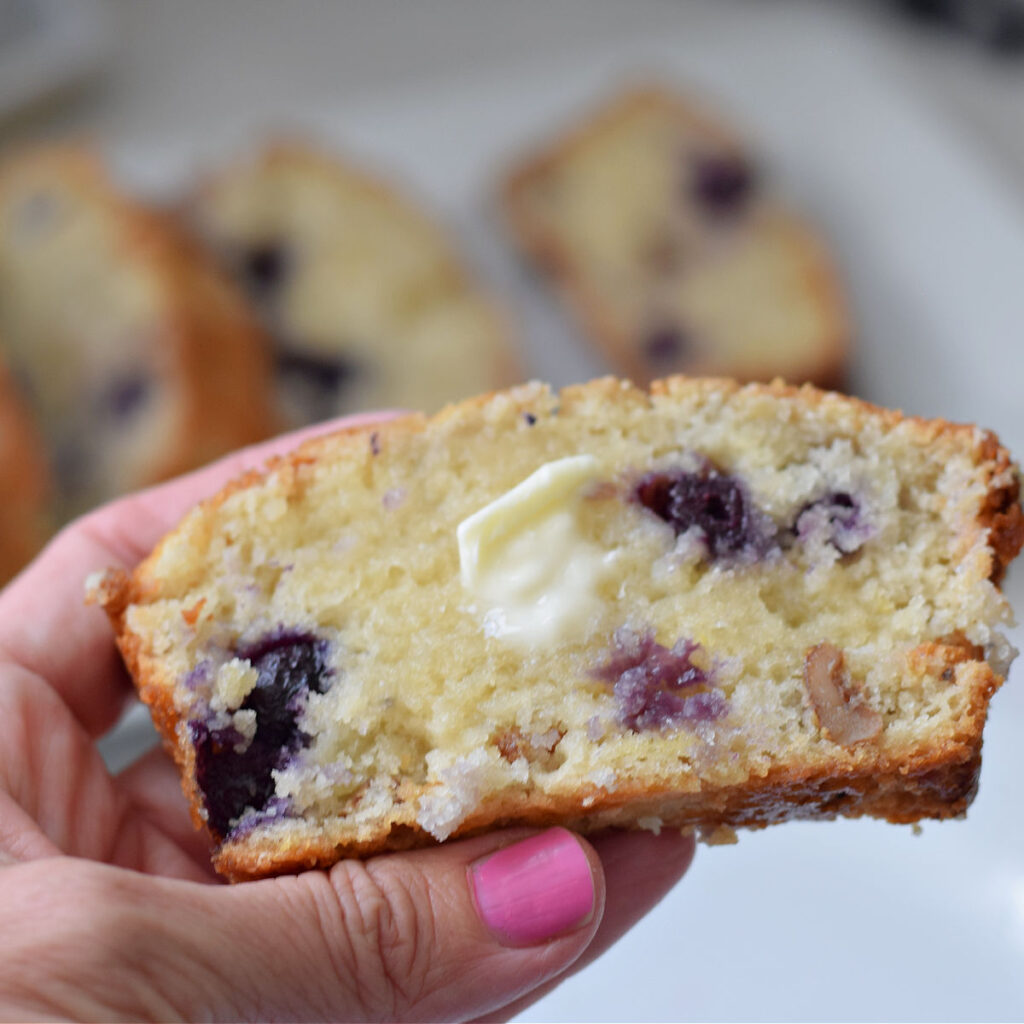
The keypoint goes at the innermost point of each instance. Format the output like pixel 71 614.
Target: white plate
pixel 852 920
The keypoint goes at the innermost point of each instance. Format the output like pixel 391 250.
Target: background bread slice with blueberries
pixel 655 224
pixel 365 296
pixel 138 359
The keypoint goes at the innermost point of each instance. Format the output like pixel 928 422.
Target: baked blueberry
pixel 656 687
pixel 721 184
pixel 666 346
pixel 264 268
pixel 836 519
pixel 234 775
pixel 127 394
pixel 714 504
pixel 322 373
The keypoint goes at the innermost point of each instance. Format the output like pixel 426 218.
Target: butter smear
pixel 524 558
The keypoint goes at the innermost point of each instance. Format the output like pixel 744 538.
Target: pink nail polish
pixel 534 890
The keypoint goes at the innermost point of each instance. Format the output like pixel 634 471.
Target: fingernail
pixel 534 890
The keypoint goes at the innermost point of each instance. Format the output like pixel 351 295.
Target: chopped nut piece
pixel 841 712
pixel 535 747
pixel 941 657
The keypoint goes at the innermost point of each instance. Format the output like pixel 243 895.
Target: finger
pixel 43 624
pixel 640 869
pixel 446 933
pixel 152 786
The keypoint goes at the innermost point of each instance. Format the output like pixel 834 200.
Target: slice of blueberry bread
pixel 24 482
pixel 654 224
pixel 708 605
pixel 363 294
pixel 139 358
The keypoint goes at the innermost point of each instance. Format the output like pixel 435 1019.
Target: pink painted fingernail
pixel 534 890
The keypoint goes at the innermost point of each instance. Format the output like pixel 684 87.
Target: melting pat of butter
pixel 523 555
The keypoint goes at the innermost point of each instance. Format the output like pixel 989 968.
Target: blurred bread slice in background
pixel 138 359
pixel 366 299
pixel 24 482
pixel 652 221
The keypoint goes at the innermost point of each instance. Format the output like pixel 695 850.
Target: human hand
pixel 111 909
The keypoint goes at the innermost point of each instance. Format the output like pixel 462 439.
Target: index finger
pixel 44 624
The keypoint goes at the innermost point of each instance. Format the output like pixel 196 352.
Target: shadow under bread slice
pixel 708 605
pixel 138 358
pixel 656 226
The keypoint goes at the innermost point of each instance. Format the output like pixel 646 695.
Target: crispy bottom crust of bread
pixel 899 780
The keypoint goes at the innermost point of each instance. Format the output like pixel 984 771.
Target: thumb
pixel 447 933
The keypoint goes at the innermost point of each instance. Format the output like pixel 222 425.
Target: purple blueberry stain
pixel 657 688
pixel 720 184
pixel 264 268
pixel 529 419
pixel 277 808
pixel 319 383
pixel 836 519
pixel 666 346
pixel 235 776
pixel 325 374
pixel 394 498
pixel 197 677
pixel 716 505
pixel 127 394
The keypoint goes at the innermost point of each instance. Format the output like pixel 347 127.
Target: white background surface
pixel 852 920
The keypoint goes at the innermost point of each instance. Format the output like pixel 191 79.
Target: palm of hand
pixel 61 799
pixel 62 685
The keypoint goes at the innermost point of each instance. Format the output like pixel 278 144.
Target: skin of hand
pixel 112 912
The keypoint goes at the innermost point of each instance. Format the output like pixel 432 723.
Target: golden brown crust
pixel 24 482
pixel 1001 514
pixel 827 369
pixel 223 355
pixel 941 789
pixel 875 776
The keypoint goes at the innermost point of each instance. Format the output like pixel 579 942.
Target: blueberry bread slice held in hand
pixel 708 605
pixel 651 220
pixel 138 358
pixel 367 302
